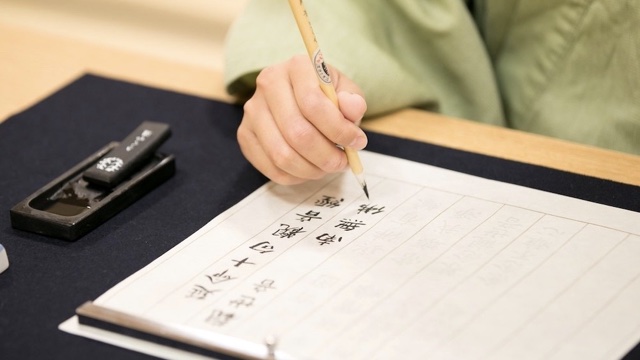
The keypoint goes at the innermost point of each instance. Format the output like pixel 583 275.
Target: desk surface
pixel 36 62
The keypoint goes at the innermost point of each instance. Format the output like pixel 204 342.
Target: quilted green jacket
pixel 564 68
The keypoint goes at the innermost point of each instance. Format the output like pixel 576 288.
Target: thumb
pixel 350 97
pixel 353 106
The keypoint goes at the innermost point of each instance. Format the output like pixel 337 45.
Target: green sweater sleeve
pixel 563 68
pixel 568 68
pixel 402 53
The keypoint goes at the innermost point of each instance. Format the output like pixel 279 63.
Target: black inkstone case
pixel 72 205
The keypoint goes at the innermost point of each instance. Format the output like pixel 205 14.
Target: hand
pixel 290 129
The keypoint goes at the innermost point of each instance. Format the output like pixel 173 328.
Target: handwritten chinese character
pixel 219 318
pixel 310 215
pixel 264 285
pixel 262 247
pixel 242 262
pixel 467 214
pixel 219 277
pixel 329 201
pixel 243 300
pixel 373 209
pixel 348 224
pixel 447 228
pixel 199 292
pixel 287 231
pixel 327 239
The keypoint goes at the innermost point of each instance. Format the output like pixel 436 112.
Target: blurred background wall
pixel 185 31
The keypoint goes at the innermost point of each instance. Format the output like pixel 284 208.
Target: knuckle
pixel 300 60
pixel 283 178
pixel 300 132
pixel 265 77
pixel 313 103
pixel 341 135
pixel 334 163
pixel 282 157
pixel 249 107
pixel 243 134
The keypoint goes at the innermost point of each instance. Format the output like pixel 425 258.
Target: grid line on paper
pixel 409 279
pixel 284 252
pixel 171 254
pixel 293 284
pixel 602 308
pixel 550 301
pixel 250 239
pixel 427 309
pixel 348 284
pixel 190 280
pixel 507 289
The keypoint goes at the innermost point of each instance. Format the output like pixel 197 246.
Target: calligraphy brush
pixel 310 42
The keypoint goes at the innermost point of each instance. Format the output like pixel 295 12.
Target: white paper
pixel 437 265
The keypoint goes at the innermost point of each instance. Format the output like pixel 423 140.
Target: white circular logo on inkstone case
pixel 110 164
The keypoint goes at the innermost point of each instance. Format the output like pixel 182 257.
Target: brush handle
pixel 313 49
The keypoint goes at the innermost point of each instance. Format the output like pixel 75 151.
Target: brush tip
pixel 366 192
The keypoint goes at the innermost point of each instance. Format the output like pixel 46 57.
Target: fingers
pixel 314 105
pixel 290 128
pixel 352 106
pixel 263 145
pixel 350 97
pixel 295 131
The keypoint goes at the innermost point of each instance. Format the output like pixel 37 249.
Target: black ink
pixel 200 292
pixel 348 224
pixel 329 201
pixel 219 318
pixel 373 209
pixel 242 262
pixel 219 277
pixel 262 247
pixel 310 215
pixel 327 239
pixel 264 285
pixel 243 300
pixel 287 231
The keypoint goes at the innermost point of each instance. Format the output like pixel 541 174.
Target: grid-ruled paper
pixel 436 264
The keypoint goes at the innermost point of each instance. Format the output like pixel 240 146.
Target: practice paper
pixel 436 264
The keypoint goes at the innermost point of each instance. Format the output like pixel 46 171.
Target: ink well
pixel 98 187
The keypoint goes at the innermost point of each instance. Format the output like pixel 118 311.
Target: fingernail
pixel 359 142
